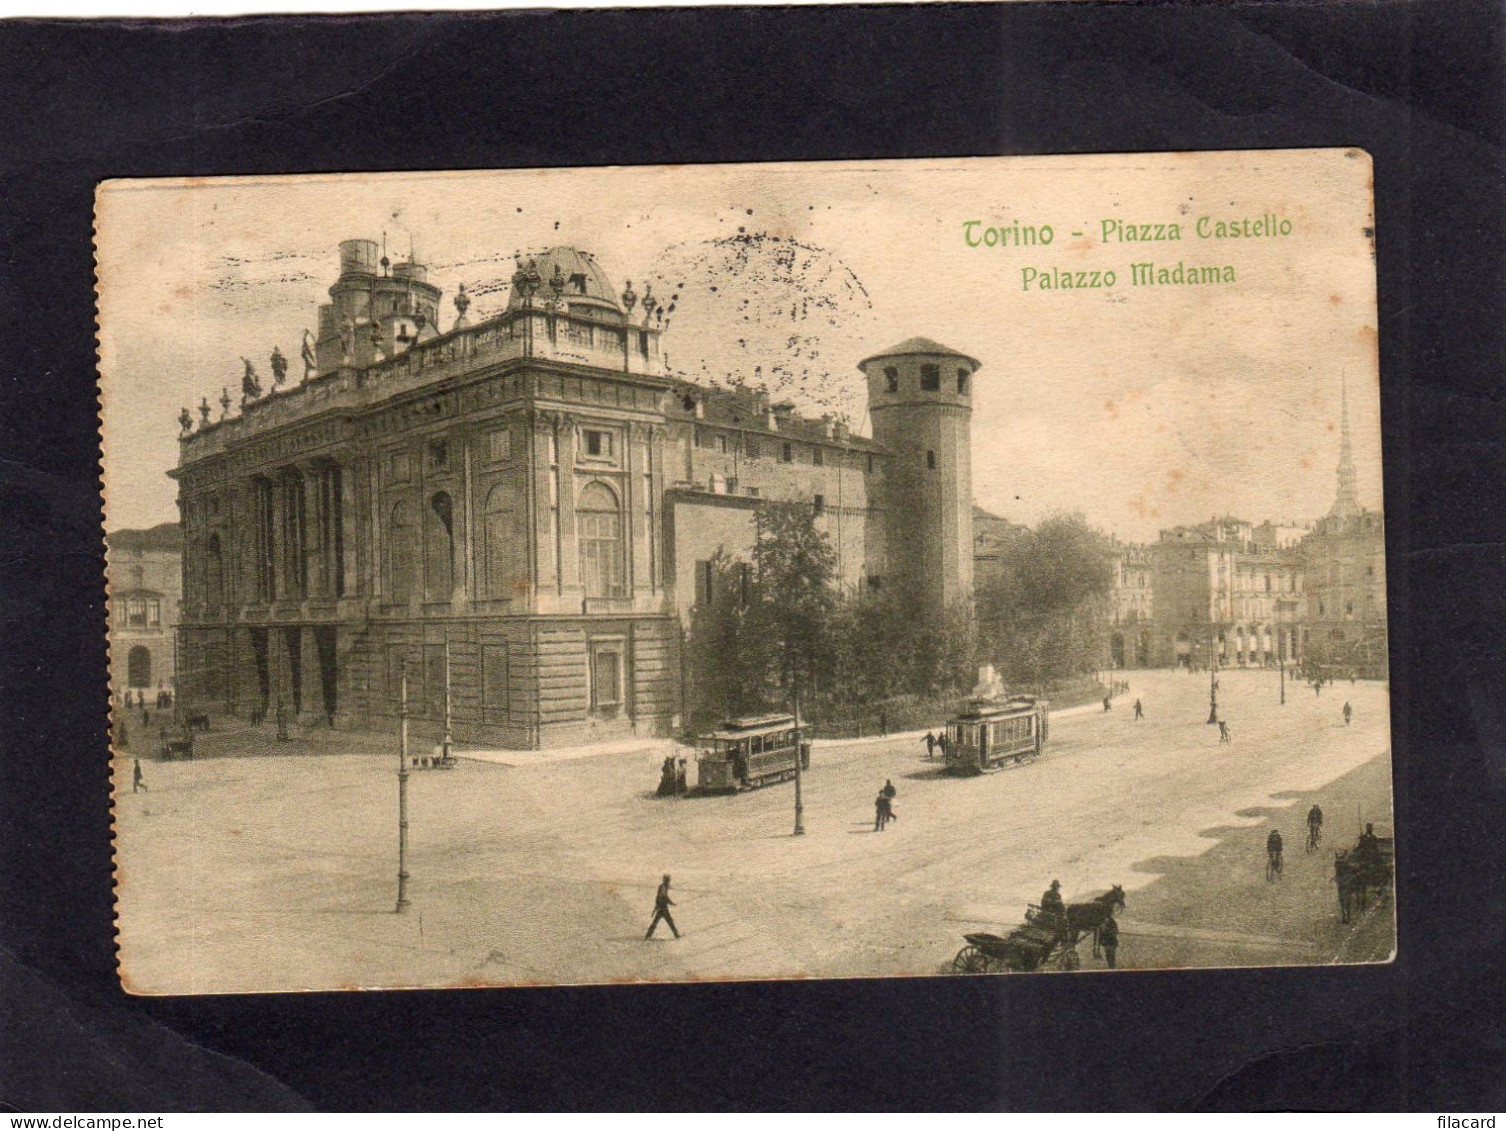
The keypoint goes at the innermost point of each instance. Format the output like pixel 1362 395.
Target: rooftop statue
pixel 279 368
pixel 250 386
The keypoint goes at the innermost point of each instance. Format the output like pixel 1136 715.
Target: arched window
pixel 599 525
pixel 439 548
pixel 503 548
pixel 214 571
pixel 400 540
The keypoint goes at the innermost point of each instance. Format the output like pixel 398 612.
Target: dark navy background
pixel 1418 84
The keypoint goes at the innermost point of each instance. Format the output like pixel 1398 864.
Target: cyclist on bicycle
pixel 1273 854
pixel 1314 827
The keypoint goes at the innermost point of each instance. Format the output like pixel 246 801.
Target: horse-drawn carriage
pixel 1045 940
pixel 1364 870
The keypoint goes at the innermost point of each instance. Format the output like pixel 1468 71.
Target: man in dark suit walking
pixel 662 904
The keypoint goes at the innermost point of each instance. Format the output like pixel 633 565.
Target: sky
pixel 1141 407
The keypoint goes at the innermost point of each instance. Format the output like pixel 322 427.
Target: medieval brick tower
pixel 920 404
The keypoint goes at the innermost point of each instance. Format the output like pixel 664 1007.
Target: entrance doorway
pixel 139 667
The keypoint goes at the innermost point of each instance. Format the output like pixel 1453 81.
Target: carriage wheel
pixel 970 960
pixel 1069 960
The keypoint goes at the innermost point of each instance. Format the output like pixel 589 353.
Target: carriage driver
pixel 1052 907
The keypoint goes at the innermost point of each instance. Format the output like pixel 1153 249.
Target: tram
pixel 747 753
pixel 990 734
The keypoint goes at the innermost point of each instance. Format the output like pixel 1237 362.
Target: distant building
pixel 1344 559
pixel 530 503
pixel 994 541
pixel 1132 606
pixel 144 574
pixel 1219 591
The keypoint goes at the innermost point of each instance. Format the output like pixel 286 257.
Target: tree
pixel 1043 617
pixel 794 565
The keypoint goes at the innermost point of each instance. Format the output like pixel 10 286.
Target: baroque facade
pixel 144 574
pixel 523 509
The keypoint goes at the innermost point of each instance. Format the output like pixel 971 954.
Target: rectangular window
pixel 721 444
pixel 153 612
pixel 931 459
pixel 398 469
pixel 820 504
pixel 698 438
pixel 870 463
pixel 818 457
pixel 962 376
pixel 788 455
pixel 753 492
pixel 439 454
pixel 891 379
pixel 703 584
pixel 499 445
pixel 751 448
pixel 598 444
pixel 494 681
pixel 930 378
pixel 606 681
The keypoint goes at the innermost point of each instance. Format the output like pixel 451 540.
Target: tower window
pixel 891 379
pixel 931 459
pixel 598 444
pixel 930 378
pixel 788 455
pixel 962 376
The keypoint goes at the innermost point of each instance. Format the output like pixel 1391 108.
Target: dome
pixel 585 283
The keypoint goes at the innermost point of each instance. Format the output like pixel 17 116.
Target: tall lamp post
pixel 1212 679
pixel 402 799
pixel 799 755
pixel 445 744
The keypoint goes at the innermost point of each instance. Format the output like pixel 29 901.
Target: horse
pixel 1085 918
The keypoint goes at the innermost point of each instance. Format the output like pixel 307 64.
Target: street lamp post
pixel 445 744
pixel 1281 663
pixel 402 800
pixel 799 759
pixel 1212 680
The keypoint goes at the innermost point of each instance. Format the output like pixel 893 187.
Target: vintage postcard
pixel 855 569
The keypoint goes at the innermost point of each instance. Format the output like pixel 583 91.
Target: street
pixel 279 870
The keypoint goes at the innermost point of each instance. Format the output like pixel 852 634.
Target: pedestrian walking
pixel 662 904
pixel 889 791
pixel 1139 711
pixel 138 779
pixel 930 741
pixel 682 777
pixel 1348 713
pixel 1223 732
pixel 1108 939
pixel 1106 704
pixel 146 717
pixel 883 813
pixel 883 724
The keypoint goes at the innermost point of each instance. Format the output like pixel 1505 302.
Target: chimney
pixel 700 409
pixel 828 426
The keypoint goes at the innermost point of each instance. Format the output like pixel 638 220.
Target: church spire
pixel 1347 501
